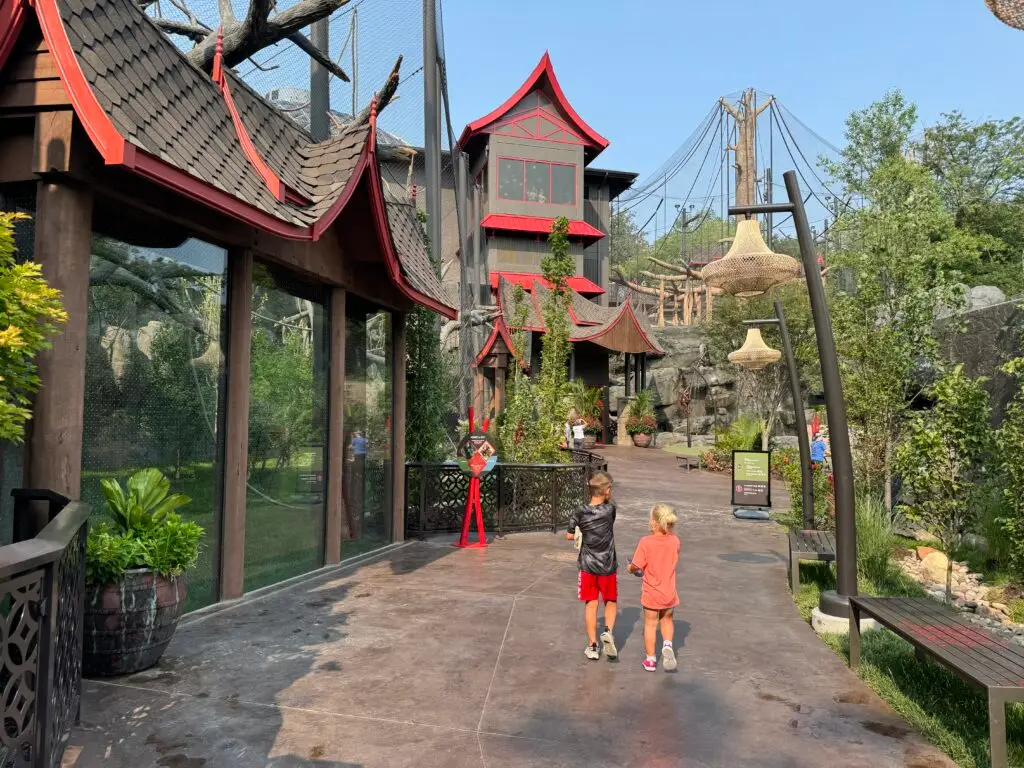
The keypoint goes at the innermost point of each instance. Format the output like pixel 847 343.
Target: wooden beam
pixel 35 93
pixel 52 150
pixel 336 527
pixel 63 241
pixel 236 425
pixel 398 345
pixel 16 157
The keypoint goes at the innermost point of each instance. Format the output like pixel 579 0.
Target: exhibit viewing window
pixel 533 181
pixel 154 379
pixel 288 371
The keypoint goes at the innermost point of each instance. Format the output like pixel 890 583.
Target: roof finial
pixel 218 58
pixel 373 122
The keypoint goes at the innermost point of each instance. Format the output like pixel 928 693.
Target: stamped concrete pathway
pixel 429 656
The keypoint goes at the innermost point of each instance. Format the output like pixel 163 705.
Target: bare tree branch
pixel 384 97
pixel 182 6
pixel 183 28
pixel 318 56
pixel 258 31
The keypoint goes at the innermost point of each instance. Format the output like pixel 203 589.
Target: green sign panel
pixel 751 479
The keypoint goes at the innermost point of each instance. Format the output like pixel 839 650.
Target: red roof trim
pixel 543 68
pixel 580 284
pixel 98 125
pixel 500 329
pixel 274 183
pixel 383 229
pixel 538 225
pixel 12 17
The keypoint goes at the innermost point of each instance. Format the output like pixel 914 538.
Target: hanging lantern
pixel 1008 11
pixel 754 354
pixel 749 268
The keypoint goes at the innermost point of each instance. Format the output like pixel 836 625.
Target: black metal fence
pixel 516 497
pixel 42 599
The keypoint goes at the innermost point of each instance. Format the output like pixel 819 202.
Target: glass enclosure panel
pixel 367 482
pixel 154 379
pixel 284 511
pixel 538 182
pixel 510 179
pixel 563 184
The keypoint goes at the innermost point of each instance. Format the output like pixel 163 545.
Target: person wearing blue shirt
pixel 818 448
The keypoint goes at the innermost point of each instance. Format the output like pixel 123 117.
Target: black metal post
pixel 628 356
pixel 606 437
pixel 319 83
pixel 834 604
pixel 806 481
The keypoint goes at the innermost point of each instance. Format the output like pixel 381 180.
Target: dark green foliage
pixel 142 530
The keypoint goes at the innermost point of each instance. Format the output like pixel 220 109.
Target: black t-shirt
pixel 596 522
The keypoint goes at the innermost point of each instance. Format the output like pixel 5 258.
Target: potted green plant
pixel 135 561
pixel 641 423
pixel 591 429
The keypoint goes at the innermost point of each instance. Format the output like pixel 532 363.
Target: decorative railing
pixel 42 598
pixel 516 497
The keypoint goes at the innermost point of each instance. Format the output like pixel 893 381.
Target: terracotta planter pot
pixel 129 623
pixel 589 441
pixel 640 440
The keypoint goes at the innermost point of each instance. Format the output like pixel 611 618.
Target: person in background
pixel 569 424
pixel 578 434
pixel 818 449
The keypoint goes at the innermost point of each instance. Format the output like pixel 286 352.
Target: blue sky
pixel 645 73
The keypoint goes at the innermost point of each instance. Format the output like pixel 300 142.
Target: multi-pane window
pixel 534 181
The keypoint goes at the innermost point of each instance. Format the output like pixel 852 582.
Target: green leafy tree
pixel 518 425
pixel 1010 438
pixel 30 315
pixel 430 388
pixel 550 389
pixel 944 458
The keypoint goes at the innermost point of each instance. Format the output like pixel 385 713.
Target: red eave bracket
pixel 278 188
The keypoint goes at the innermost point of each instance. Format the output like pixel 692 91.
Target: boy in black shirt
pixel 597 563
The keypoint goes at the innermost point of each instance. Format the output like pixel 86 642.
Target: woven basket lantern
pixel 749 268
pixel 1008 11
pixel 754 354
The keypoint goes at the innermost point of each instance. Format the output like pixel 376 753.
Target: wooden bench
pixel 808 545
pixel 688 461
pixel 979 657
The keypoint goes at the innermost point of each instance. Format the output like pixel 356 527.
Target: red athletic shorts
pixel 590 585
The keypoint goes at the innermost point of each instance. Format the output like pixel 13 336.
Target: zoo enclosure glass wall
pixel 154 379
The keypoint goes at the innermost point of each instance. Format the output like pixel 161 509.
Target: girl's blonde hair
pixel 664 517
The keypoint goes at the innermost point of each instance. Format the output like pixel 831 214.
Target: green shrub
pixel 874 539
pixel 787 467
pixel 142 531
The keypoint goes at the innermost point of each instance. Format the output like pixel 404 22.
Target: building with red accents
pixel 530 162
pixel 236 294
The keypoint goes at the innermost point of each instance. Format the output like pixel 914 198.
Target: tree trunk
pixel 949 575
pixel 888 475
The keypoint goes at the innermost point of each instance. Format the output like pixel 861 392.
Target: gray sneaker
pixel 668 658
pixel 592 653
pixel 609 645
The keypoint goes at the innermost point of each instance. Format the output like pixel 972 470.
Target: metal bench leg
pixel 997 730
pixel 854 636
pixel 794 572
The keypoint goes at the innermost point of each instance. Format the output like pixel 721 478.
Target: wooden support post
pixel 688 306
pixel 398 333
pixel 661 304
pixel 500 369
pixel 236 425
pixel 627 356
pixel 63 242
pixel 710 294
pixel 336 527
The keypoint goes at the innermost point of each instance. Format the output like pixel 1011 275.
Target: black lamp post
pixel 832 603
pixel 806 481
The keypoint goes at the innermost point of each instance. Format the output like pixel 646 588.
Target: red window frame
pixel 549 164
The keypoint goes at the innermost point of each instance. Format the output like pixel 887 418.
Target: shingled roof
pixel 619 329
pixel 147 108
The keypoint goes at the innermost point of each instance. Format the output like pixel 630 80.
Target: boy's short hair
pixel 664 516
pixel 599 482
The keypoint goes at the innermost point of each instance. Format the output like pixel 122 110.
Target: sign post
pixel 751 484
pixel 477 456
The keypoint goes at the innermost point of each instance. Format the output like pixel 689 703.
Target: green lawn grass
pixel 948 712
